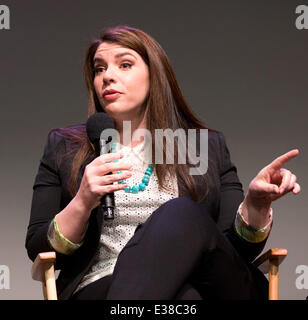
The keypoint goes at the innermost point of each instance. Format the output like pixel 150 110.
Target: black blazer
pixel 51 195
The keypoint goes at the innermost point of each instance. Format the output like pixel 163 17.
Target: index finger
pixel 279 162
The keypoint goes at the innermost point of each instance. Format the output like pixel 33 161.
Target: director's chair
pixel 43 270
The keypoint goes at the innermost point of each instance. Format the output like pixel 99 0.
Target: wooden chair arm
pixel 263 262
pixel 269 263
pixel 43 270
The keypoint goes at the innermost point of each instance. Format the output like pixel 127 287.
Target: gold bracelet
pixel 249 233
pixel 59 242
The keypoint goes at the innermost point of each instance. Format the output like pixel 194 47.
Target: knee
pixel 184 209
pixel 183 218
pixel 184 204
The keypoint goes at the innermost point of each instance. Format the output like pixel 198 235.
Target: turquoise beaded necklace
pixel 144 182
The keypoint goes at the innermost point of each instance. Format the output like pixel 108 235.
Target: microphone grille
pixel 96 124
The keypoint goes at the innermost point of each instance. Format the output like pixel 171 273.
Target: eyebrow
pixel 117 56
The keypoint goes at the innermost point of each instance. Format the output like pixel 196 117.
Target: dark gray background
pixel 242 66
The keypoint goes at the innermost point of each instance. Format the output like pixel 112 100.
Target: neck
pixel 136 123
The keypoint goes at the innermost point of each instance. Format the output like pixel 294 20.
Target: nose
pixel 109 75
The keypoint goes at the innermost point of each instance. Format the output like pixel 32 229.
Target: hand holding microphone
pixel 97 180
pixel 97 183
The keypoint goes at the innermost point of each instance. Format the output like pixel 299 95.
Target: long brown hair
pixel 166 106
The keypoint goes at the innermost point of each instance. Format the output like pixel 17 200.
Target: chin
pixel 117 110
pixel 117 114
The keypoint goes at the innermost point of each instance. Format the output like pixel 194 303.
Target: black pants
pixel 178 253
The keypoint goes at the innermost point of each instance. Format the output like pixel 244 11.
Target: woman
pixel 179 236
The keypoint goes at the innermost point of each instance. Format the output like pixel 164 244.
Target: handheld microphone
pixel 95 125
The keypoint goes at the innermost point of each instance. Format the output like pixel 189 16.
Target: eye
pixel 97 70
pixel 126 65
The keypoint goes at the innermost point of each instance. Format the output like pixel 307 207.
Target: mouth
pixel 112 95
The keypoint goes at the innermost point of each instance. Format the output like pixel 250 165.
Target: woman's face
pixel 121 81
